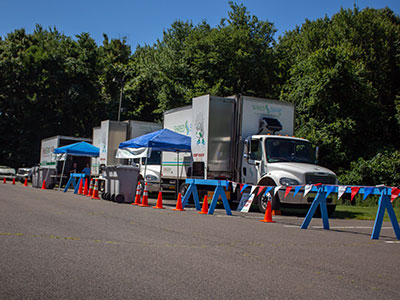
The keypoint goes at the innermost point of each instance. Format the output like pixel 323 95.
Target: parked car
pixel 7 172
pixel 23 173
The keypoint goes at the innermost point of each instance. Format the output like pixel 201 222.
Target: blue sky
pixel 142 22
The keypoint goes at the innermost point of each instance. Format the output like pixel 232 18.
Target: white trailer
pixel 47 157
pixel 50 165
pixel 108 137
pixel 234 138
pixel 178 120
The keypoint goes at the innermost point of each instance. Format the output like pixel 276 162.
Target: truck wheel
pixel 112 198
pixel 119 198
pixel 141 181
pixel 262 202
pixel 183 189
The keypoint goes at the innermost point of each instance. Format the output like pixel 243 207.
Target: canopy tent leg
pixel 62 172
pixel 177 173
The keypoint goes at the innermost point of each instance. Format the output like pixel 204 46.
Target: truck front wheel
pixel 262 200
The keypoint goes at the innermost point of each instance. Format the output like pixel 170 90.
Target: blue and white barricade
pixel 218 192
pixel 323 192
pixel 72 180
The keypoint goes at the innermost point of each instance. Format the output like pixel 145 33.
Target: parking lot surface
pixel 61 245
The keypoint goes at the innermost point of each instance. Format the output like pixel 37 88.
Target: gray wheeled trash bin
pixel 120 183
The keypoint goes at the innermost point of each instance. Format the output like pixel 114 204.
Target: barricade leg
pixel 320 199
pixel 192 190
pixel 324 212
pixel 384 203
pixel 219 191
pixel 77 185
pixel 68 184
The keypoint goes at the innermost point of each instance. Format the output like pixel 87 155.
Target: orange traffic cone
pixel 268 214
pixel 179 203
pixel 137 198
pixel 86 189
pixel 4 180
pixel 90 193
pixel 96 191
pixel 204 209
pixel 44 185
pixel 26 182
pixel 80 190
pixel 145 200
pixel 159 201
pixel 13 182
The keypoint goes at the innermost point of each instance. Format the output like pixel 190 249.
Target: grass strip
pixel 361 213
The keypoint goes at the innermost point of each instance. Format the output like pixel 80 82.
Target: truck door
pixel 253 161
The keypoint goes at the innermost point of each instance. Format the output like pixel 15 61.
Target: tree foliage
pixel 343 74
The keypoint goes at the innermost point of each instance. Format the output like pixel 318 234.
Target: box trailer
pixel 110 134
pixel 178 120
pixel 50 166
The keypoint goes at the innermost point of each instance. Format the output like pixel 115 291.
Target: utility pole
pixel 122 82
pixel 120 99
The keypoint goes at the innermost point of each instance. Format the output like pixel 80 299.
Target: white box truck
pixel 178 120
pixel 50 168
pixel 250 140
pixel 108 137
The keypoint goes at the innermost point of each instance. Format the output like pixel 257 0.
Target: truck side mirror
pixel 247 157
pixel 316 154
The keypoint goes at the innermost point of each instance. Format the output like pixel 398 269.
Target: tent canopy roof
pixel 79 149
pixel 161 140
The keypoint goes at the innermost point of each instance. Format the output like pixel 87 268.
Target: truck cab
pixel 276 160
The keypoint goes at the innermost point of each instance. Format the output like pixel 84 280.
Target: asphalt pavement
pixel 56 245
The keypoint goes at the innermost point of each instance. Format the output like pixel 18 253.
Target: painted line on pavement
pixel 337 227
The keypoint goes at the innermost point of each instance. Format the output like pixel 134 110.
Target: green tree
pixel 343 75
pixel 48 86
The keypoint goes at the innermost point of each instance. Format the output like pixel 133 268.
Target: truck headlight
pixel 151 178
pixel 288 181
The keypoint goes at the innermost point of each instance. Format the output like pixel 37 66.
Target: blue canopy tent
pixel 161 140
pixel 79 149
pixel 76 149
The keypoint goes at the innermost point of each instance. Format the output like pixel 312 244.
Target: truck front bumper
pixel 307 200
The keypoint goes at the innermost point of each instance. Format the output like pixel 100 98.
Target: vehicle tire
pixel 262 201
pixel 112 198
pixel 183 189
pixel 141 181
pixel 119 198
pixel 107 196
pixel 103 195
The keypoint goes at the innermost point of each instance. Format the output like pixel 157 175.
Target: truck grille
pixel 317 178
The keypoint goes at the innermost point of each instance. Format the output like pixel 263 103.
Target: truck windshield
pixel 287 150
pixel 154 159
